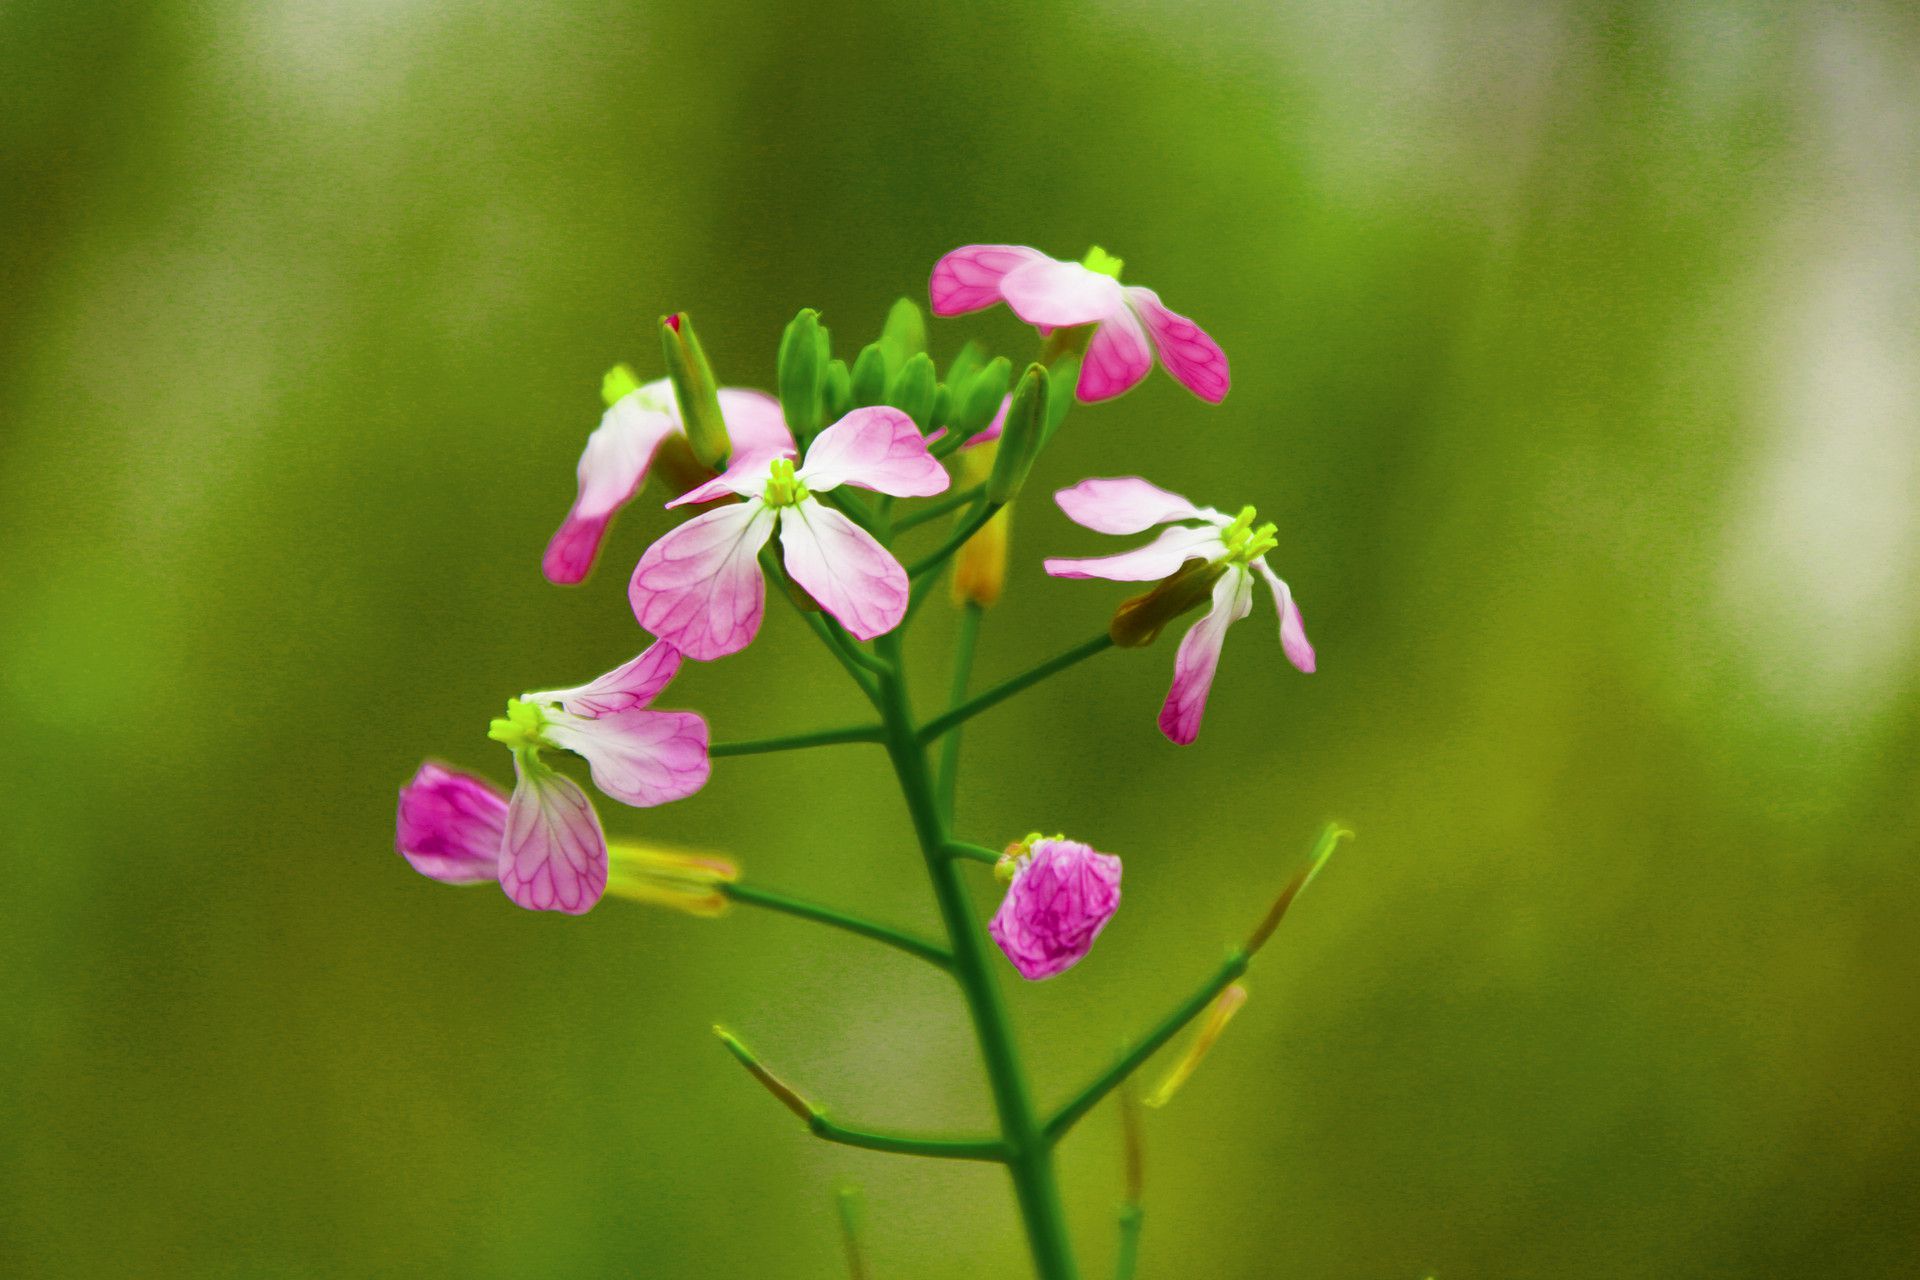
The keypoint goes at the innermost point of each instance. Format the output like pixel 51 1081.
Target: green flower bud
pixel 912 389
pixel 942 405
pixel 1020 439
pixel 965 365
pixel 904 336
pixel 801 372
pixel 695 389
pixel 1064 375
pixel 974 410
pixel 836 392
pixel 1138 622
pixel 869 376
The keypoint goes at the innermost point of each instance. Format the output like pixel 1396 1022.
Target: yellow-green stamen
pixel 784 489
pixel 1100 260
pixel 520 729
pixel 1247 542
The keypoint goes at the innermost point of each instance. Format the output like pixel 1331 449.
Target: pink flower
pixel 699 588
pixel 618 453
pixel 1062 895
pixel 1131 505
pixel 1050 294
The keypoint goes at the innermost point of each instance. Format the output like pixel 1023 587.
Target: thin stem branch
pixel 796 741
pixel 1126 1257
pixel 974 852
pixel 965 640
pixel 852 649
pixel 934 510
pixel 903 1144
pixel 932 730
pixel 776 576
pixel 919 948
pixel 976 520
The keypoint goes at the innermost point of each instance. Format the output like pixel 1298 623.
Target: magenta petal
pixel 632 684
pixel 1199 657
pixel 969 278
pixel 1185 349
pixel 840 565
pixel 1060 899
pixel 1159 558
pixel 639 757
pixel 1293 627
pixel 1116 360
pixel 612 468
pixel 1123 504
pixel 574 544
pixel 449 825
pixel 875 448
pixel 554 855
pixel 699 587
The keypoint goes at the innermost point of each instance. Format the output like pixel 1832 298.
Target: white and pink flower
pixel 1131 505
pixel 1134 325
pixel 700 589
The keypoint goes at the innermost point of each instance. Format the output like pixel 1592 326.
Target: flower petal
pixel 612 468
pixel 875 448
pixel 1293 628
pixel 699 587
pixel 633 684
pixel 969 278
pixel 754 421
pixel 1116 359
pixel 1123 504
pixel 746 475
pixel 840 565
pixel 639 757
pixel 553 856
pixel 1055 294
pixel 1199 657
pixel 1193 358
pixel 1165 554
pixel 1060 899
pixel 449 825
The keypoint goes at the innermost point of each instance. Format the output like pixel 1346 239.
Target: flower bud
pixel 1062 374
pixel 1021 436
pixel 942 405
pixel 974 409
pixel 980 566
pixel 965 364
pixel 869 376
pixel 904 336
pixel 688 882
pixel 912 389
pixel 801 372
pixel 1138 621
pixel 695 389
pixel 1062 895
pixel 836 392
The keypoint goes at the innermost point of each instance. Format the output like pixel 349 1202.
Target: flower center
pixel 1100 260
pixel 520 729
pixel 784 489
pixel 1247 542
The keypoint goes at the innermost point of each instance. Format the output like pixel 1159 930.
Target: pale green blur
pixel 1576 353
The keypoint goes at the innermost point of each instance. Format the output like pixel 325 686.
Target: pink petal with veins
pixel 969 278
pixel 1060 899
pixel 612 468
pixel 699 587
pixel 875 448
pixel 1159 558
pixel 1123 504
pixel 746 476
pixel 633 684
pixel 1293 627
pixel 553 856
pixel 1056 294
pixel 449 825
pixel 639 757
pixel 840 565
pixel 1199 657
pixel 1116 360
pixel 1193 358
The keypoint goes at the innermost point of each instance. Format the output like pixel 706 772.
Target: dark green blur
pixel 1576 352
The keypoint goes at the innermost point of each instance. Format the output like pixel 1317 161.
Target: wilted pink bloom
pixel 699 588
pixel 545 847
pixel 1050 294
pixel 1131 505
pixel 1062 895
pixel 618 453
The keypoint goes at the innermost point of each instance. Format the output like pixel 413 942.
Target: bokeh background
pixel 1576 349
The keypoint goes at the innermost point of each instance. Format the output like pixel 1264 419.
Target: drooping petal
pixel 1060 899
pixel 1124 504
pixel 1293 628
pixel 746 475
pixel 875 448
pixel 449 825
pixel 633 684
pixel 1199 657
pixel 1116 360
pixel 612 468
pixel 754 421
pixel 699 587
pixel 639 757
pixel 1055 294
pixel 969 278
pixel 840 565
pixel 553 856
pixel 1165 554
pixel 1193 358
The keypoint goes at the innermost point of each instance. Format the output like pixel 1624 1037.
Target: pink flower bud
pixel 1062 895
pixel 450 825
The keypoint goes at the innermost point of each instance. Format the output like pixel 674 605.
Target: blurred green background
pixel 1576 349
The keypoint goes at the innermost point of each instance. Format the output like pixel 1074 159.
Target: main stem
pixel 1029 1153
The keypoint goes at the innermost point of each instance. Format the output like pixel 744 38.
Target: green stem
pixel 978 853
pixel 1007 688
pixel 1229 971
pixel 1127 1257
pixel 919 948
pixel 964 642
pixel 795 741
pixel 1027 1152
pixel 933 511
pixel 903 1144
pixel 976 520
